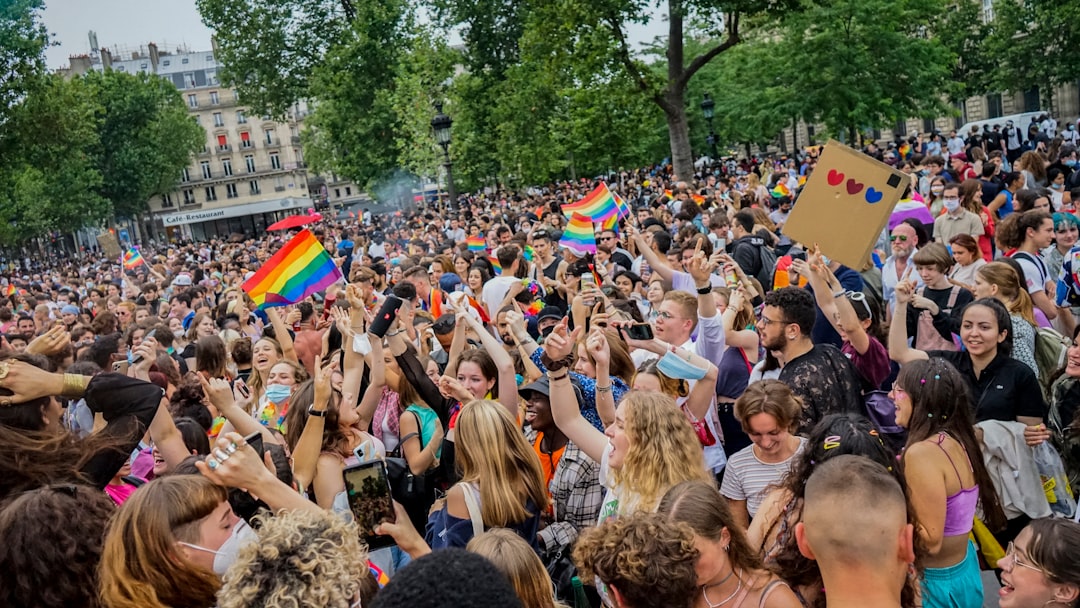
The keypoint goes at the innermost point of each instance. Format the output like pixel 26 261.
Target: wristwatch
pixel 314 412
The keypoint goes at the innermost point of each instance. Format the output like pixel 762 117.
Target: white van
pixel 1023 121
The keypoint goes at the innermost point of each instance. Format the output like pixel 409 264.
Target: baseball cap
pixel 183 280
pixel 550 312
pixel 69 310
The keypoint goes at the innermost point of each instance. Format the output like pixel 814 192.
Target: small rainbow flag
pixel 624 209
pixel 299 269
pixel 579 234
pixel 132 259
pixel 597 205
pixel 904 150
pixel 495 264
pixel 781 189
pixel 10 291
pixel 476 243
pixel 380 576
pixel 530 253
pixel 697 198
pixel 611 223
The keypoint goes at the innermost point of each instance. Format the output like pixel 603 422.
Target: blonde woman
pixel 517 560
pixel 651 447
pixel 1000 281
pixel 501 474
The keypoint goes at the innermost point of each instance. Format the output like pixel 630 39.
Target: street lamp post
pixel 708 109
pixel 440 124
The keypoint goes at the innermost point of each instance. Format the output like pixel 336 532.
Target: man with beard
pixel 818 373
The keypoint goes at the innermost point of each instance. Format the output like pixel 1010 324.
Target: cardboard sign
pixel 109 245
pixel 845 205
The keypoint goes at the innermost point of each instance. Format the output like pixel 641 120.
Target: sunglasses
pixel 899 237
pixel 860 297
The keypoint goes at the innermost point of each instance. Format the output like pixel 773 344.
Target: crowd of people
pixel 702 413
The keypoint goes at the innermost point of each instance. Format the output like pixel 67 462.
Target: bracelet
pixel 704 291
pixel 562 376
pixel 603 389
pixel 391 334
pixel 839 294
pixel 74 386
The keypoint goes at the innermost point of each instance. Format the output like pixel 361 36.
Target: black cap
pixel 550 312
pixel 444 324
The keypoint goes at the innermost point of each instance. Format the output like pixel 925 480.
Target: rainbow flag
pixel 299 269
pixel 530 253
pixel 781 189
pixel 380 576
pixel 10 291
pixel 624 209
pixel 611 223
pixel 476 243
pixel 904 150
pixel 495 264
pixel 579 234
pixel 697 198
pixel 132 259
pixel 597 205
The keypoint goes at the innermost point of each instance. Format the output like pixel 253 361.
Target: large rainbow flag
pixel 300 268
pixel 579 234
pixel 476 243
pixel 597 205
pixel 132 259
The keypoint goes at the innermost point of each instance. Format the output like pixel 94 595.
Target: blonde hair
pixel 492 452
pixel 303 558
pixel 141 566
pixel 664 450
pixel 1011 291
pixel 519 562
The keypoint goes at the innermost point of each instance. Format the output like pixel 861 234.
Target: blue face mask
pixel 1070 162
pixel 278 393
pixel 673 366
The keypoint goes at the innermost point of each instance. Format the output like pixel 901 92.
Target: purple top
pixel 873 365
pixel 960 507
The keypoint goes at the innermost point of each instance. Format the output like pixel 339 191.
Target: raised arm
pixel 899 350
pixel 711 338
pixel 565 409
pixel 657 262
pixel 306 452
pixel 281 332
pixel 598 346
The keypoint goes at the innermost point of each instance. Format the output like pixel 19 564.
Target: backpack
pixel 1050 351
pixel 1064 437
pixel 768 266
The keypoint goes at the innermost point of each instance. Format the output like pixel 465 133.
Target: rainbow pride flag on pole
pixel 132 259
pixel 476 243
pixel 597 205
pixel 578 234
pixel 300 268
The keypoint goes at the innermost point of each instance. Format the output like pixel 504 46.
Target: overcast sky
pixel 133 23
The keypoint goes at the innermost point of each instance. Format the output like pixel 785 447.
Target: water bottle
pixel 580 599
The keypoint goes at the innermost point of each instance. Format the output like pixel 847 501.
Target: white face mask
pixel 224 557
pixel 179 333
pixel 952 204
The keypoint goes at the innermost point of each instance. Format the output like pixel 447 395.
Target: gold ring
pixel 5 367
pixel 5 402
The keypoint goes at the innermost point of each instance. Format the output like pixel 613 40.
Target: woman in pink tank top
pixel 946 479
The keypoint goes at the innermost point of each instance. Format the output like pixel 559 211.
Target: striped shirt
pixel 747 478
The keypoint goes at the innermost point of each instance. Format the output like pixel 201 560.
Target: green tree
pixel 962 30
pixel 272 48
pixel 23 39
pixel 1034 43
pixel 856 64
pixel 146 137
pixel 48 178
pixel 353 129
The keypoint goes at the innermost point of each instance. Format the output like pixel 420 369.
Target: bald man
pixel 865 549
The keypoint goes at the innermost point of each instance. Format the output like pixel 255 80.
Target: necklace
pixel 721 581
pixel 705 595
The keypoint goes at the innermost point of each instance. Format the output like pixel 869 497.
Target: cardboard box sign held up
pixel 108 243
pixel 845 205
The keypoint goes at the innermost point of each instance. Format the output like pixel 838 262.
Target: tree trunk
pixel 682 157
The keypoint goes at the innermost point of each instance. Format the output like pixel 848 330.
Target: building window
pixel 189 197
pixel 209 58
pixel 240 118
pixel 195 117
pixel 189 81
pixel 993 106
pixel 337 192
pixel 185 175
pixel 928 125
pixel 245 140
pixel 211 77
pixel 348 191
pixel 249 161
pixel 810 134
pixel 275 161
pixel 254 186
pixel 230 191
pixel 1031 100
pixel 218 120
pixel 214 98
pixel 206 169
pixel 211 194
pixel 226 166
pixel 184 61
pixel 987 11
pixel 222 143
pixel 193 101
pixel 143 66
pixel 269 136
pixel 166 63
pixel 120 68
pixel 900 130
pixel 166 201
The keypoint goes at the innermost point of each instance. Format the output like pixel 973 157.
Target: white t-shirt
pixel 494 292
pixel 748 478
pixel 1034 271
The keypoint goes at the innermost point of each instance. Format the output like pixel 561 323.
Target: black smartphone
pixel 386 316
pixel 640 331
pixel 149 335
pixel 255 440
pixel 368 490
pixel 798 254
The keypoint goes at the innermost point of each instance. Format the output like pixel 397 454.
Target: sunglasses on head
pixel 860 297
